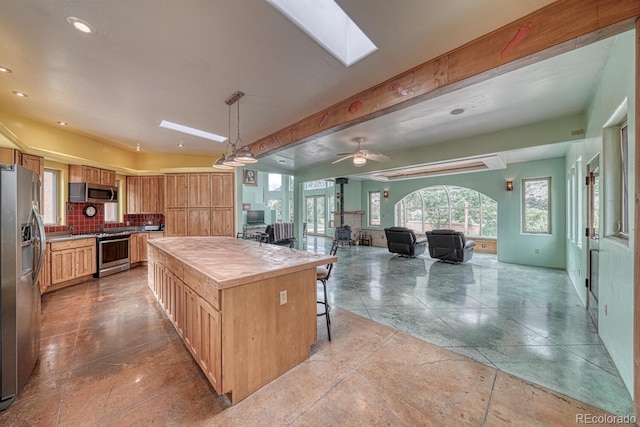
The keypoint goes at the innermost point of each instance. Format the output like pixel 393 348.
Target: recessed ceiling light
pixel 5 70
pixel 63 123
pixel 137 147
pixel 326 23
pixel 81 25
pixel 457 111
pixel 282 161
pixel 192 131
pixel 20 94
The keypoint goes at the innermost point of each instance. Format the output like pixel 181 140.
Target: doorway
pixel 315 215
pixel 593 235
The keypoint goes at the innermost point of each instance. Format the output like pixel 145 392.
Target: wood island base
pixel 246 311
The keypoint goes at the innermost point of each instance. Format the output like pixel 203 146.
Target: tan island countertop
pixel 231 262
pixel 246 311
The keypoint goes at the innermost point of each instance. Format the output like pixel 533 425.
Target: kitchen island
pixel 245 310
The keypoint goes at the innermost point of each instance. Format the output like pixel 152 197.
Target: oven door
pixel 112 253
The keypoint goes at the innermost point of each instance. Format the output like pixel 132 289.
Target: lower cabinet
pixel 45 273
pixel 72 260
pixel 195 319
pixel 210 339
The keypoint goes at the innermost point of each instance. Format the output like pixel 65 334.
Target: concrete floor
pixel 111 357
pixel 525 321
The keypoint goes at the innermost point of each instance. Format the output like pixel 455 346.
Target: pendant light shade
pixel 220 163
pixel 245 156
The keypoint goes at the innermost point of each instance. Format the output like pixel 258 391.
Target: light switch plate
pixel 283 297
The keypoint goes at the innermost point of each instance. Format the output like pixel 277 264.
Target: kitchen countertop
pixel 230 262
pixel 62 236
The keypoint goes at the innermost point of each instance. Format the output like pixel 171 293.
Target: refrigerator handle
pixel 41 242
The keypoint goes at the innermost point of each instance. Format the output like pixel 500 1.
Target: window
pixel 536 206
pixel 50 199
pixel 276 205
pixel 624 180
pixel 111 209
pixel 330 202
pixel 374 208
pixel 275 182
pixel 314 185
pixel 452 207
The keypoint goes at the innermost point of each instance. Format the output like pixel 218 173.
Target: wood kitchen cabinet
pixel 222 222
pixel 175 195
pixel 222 194
pixel 72 261
pixel 199 188
pixel 138 248
pixel 10 156
pixel 45 273
pixel 209 199
pixel 145 194
pixel 199 222
pixel 81 173
pixel 175 222
pixel 107 177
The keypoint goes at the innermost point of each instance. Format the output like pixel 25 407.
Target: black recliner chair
pixel 450 246
pixel 403 241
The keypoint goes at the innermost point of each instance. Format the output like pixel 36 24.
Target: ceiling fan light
pixel 359 161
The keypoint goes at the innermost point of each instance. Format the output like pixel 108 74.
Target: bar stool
pixel 322 275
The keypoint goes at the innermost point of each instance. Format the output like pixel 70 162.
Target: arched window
pixel 443 206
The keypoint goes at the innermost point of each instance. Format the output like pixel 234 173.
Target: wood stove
pixel 343 232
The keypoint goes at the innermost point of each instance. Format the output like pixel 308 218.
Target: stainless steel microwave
pixel 83 192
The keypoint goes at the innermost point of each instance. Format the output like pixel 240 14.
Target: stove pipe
pixel 342 182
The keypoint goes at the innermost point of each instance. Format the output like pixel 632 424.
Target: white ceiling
pixel 152 60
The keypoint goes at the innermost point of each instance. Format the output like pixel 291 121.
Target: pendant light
pixel 221 163
pixel 238 157
pixel 243 155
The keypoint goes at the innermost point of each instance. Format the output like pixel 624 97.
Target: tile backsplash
pixel 78 223
pixel 143 219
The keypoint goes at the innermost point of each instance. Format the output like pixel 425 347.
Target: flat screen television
pixel 255 217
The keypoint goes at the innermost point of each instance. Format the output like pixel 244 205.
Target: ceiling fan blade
pixel 344 154
pixel 339 160
pixel 376 157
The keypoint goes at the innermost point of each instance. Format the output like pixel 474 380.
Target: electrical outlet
pixel 283 297
pixel 536 251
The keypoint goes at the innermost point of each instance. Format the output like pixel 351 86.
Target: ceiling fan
pixel 361 156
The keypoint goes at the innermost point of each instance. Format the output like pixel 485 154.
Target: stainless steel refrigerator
pixel 21 257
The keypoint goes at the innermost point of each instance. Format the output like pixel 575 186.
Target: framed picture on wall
pixel 249 177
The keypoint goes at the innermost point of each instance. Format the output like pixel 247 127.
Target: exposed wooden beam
pixel 559 27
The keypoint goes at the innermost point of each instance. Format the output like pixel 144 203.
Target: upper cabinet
pixel 209 202
pixel 175 190
pixel 145 194
pixel 108 177
pixel 9 156
pixel 92 175
pixel 222 194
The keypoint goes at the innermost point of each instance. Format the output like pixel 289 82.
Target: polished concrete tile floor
pixel 110 357
pixel 525 321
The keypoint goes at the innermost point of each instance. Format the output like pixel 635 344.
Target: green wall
pixel 513 245
pixel 615 302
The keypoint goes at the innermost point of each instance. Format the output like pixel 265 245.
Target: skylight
pixel 192 131
pixel 326 23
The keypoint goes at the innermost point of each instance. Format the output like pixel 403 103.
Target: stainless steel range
pixel 113 253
